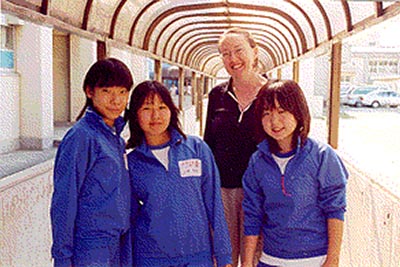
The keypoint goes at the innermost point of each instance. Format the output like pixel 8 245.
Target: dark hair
pixel 239 31
pixel 106 72
pixel 141 92
pixel 290 98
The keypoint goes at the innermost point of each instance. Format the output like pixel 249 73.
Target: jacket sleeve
pixel 332 176
pixel 211 190
pixel 71 165
pixel 253 200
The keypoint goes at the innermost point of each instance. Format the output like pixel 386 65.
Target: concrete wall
pixel 371 238
pixel 9 121
pixel 25 235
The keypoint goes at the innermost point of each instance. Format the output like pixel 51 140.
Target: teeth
pixel 236 66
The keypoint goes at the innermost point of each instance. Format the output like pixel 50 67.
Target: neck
pixel 253 81
pixel 157 140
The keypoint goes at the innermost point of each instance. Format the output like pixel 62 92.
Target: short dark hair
pixel 290 98
pixel 141 92
pixel 108 72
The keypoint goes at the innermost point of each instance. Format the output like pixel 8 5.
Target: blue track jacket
pixel 179 213
pixel 292 209
pixel 90 207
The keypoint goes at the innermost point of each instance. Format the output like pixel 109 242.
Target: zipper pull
pixel 283 186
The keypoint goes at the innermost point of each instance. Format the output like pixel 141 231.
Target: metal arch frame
pixel 278 39
pixel 185 8
pixel 261 45
pixel 308 19
pixel 115 17
pixel 224 22
pixel 42 14
pixel 210 15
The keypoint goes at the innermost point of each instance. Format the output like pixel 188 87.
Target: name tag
pixel 190 167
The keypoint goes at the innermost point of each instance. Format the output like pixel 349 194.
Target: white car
pixel 352 97
pixel 379 98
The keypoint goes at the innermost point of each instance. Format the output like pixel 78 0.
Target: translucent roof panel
pixel 61 9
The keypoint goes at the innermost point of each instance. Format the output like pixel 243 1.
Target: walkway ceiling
pixel 186 32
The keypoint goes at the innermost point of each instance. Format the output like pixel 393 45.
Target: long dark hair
pixel 141 92
pixel 290 98
pixel 108 72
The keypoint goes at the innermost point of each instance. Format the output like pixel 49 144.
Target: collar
pixel 93 116
pixel 264 147
pixel 176 139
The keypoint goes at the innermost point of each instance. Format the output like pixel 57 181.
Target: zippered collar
pixel 176 139
pixel 264 147
pixel 92 116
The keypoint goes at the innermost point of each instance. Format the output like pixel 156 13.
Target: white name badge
pixel 190 167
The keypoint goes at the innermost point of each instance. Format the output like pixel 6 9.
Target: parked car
pixel 344 90
pixel 379 98
pixel 352 98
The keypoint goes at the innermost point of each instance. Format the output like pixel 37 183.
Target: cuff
pixel 223 260
pixel 62 262
pixel 251 230
pixel 336 215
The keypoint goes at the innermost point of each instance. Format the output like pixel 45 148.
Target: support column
pixel 83 55
pixel 35 65
pixel 193 91
pixel 200 91
pixel 157 71
pixel 296 72
pixel 279 73
pixel 181 84
pixel 334 90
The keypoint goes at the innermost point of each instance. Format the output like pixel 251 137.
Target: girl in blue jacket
pixel 90 207
pixel 176 199
pixel 295 187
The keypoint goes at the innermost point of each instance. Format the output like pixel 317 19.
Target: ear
pixel 89 92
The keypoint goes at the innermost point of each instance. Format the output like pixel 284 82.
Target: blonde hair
pixel 239 31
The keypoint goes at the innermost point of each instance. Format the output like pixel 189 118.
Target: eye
pixel 239 51
pixel 123 91
pixel 105 90
pixel 266 113
pixel 281 111
pixel 225 54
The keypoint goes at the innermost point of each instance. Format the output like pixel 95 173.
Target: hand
pixel 228 265
pixel 331 262
pixel 247 264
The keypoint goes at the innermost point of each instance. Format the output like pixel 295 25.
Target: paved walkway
pixel 19 160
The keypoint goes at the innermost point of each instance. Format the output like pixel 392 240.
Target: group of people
pixel 257 190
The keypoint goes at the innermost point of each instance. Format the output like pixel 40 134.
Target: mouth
pixel 236 66
pixel 277 130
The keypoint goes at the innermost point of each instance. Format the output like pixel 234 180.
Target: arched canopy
pixel 186 32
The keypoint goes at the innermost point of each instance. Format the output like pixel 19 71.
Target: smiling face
pixel 280 124
pixel 109 102
pixel 238 56
pixel 154 118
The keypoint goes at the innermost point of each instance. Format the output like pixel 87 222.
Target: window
pixel 7 48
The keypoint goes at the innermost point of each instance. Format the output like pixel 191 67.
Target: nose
pixel 116 98
pixel 274 117
pixel 155 113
